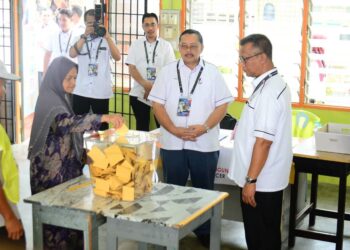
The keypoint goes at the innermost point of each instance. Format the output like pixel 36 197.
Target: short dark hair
pixel 147 15
pixel 77 10
pixel 65 12
pixel 90 12
pixel 259 41
pixel 190 32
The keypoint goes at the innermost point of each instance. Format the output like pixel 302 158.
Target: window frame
pixel 303 61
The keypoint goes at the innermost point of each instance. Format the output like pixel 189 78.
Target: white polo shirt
pixel 211 92
pixel 100 86
pixel 137 56
pixel 59 43
pixel 267 115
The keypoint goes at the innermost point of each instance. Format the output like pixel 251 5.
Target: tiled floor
pixel 232 231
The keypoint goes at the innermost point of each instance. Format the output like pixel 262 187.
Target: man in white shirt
pixel 190 98
pixel 78 24
pixel 146 57
pixel 60 40
pixel 262 153
pixel 94 84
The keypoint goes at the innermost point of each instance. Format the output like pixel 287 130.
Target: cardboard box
pixel 333 137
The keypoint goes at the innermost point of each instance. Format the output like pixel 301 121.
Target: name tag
pixel 184 106
pixel 151 73
pixel 93 69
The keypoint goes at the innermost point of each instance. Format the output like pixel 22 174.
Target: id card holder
pixel 93 69
pixel 184 106
pixel 151 73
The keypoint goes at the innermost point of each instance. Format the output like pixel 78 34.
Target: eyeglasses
pixel 243 59
pixel 189 47
pixel 147 25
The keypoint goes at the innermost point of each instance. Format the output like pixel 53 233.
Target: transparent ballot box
pixel 122 167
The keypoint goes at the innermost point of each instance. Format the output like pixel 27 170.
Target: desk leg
pixel 313 199
pixel 112 240
pixel 293 209
pixel 173 247
pixel 341 212
pixel 91 233
pixel 215 227
pixel 37 228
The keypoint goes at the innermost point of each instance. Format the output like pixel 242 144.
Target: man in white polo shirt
pixel 60 40
pixel 262 154
pixel 146 57
pixel 190 98
pixel 94 83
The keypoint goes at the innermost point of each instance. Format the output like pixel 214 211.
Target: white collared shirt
pixel 211 92
pixel 59 43
pixel 100 86
pixel 163 55
pixel 266 115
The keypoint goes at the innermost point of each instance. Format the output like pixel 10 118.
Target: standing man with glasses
pixel 146 57
pixel 262 153
pixel 190 98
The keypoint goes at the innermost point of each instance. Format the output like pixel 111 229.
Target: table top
pixel 306 148
pixel 167 205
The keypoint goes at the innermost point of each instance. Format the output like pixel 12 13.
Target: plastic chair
pixel 304 123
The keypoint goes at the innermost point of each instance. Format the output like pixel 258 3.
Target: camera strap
pixel 60 43
pixel 154 52
pixel 98 48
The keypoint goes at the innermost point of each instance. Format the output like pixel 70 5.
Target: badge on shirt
pixel 184 106
pixel 151 73
pixel 93 69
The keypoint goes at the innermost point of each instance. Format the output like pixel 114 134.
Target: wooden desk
pixel 308 160
pixel 162 217
pixel 165 216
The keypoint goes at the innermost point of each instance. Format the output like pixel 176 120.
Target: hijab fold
pixel 52 100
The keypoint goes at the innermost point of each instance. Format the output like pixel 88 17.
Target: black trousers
pixel 179 164
pixel 262 224
pixel 142 114
pixel 82 105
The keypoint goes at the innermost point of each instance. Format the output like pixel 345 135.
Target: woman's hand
pixel 116 120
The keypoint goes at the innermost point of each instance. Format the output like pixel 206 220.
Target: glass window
pixel 328 68
pixel 281 22
pixel 269 12
pixel 218 23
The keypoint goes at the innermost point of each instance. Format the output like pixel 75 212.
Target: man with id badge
pixel 262 152
pixel 189 99
pixel 94 84
pixel 60 40
pixel 146 57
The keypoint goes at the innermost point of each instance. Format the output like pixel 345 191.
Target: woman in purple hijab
pixel 56 145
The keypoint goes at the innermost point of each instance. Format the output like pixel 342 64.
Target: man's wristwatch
pixel 83 37
pixel 206 128
pixel 249 180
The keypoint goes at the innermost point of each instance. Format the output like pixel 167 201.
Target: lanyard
pixel 262 82
pixel 179 79
pixel 154 51
pixel 59 41
pixel 98 49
